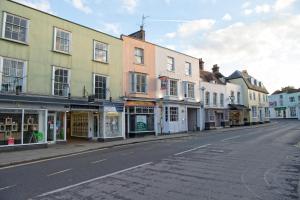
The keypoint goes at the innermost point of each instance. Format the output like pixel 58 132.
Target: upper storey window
pixel 15 28
pixel 62 40
pixel 139 55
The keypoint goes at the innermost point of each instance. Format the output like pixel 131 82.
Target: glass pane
pixel 9 18
pixel 34 126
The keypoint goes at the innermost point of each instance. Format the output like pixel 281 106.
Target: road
pixel 260 163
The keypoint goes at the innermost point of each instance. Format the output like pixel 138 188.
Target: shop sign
pixel 110 109
pixel 141 123
pixel 140 103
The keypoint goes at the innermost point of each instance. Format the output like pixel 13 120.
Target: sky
pixel 260 36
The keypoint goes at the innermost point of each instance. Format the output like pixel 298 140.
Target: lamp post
pixel 202 102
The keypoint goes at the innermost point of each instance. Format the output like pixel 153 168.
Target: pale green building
pixel 59 79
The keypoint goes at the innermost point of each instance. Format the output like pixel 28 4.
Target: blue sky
pixel 262 36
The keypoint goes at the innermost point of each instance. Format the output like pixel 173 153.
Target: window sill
pixel 61 52
pixel 98 61
pixel 141 64
pixel 15 41
pixel 144 93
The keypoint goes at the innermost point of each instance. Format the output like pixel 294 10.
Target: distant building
pixel 255 97
pixel 285 104
pixel 223 101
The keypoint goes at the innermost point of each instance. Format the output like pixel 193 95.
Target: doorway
pixel 51 128
pixel 96 126
pixel 192 119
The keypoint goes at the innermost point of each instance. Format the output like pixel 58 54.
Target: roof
pixel 207 76
pixel 288 91
pixel 247 79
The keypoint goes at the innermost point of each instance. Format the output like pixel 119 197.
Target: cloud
pixel 80 5
pixel 170 35
pixel 227 17
pixel 129 5
pixel 246 4
pixel 43 5
pixel 264 8
pixel 190 28
pixel 248 11
pixel 112 28
pixel 283 4
pixel 267 49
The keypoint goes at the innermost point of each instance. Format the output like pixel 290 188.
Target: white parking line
pixel 203 146
pixel 59 172
pixel 98 161
pixel 7 187
pixel 231 138
pixel 93 179
pixel 48 159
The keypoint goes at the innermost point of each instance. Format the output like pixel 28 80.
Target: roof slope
pixel 207 76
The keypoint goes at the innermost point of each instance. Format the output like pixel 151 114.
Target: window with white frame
pixel 173 89
pixel 292 99
pixel 250 95
pixel 173 114
pixel 232 97
pixel 15 28
pixel 138 83
pixel 13 75
pixel 293 111
pixel 259 97
pixel 254 96
pixel 61 81
pixel 207 98
pixel 100 52
pixel 62 40
pixel 254 111
pixel 267 113
pixel 222 100
pixel 239 97
pixel 215 96
pixel 189 89
pixel 188 69
pixel 170 64
pixel 100 86
pixel 139 55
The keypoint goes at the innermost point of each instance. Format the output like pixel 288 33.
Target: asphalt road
pixel 261 163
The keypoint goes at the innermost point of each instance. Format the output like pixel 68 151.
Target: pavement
pixel 81 147
pixel 256 163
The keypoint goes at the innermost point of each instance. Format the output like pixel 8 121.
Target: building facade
pixel 59 80
pixel 177 92
pixel 139 84
pixel 255 97
pixel 285 104
pixel 223 101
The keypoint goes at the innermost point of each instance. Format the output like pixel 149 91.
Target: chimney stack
pixel 201 64
pixel 139 34
pixel 215 69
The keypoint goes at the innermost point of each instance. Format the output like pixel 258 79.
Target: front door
pixel 260 115
pixel 284 114
pixel 51 128
pixel 96 126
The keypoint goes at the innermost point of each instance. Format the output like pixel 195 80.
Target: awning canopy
pixel 237 107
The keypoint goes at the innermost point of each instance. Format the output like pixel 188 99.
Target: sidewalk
pixel 60 150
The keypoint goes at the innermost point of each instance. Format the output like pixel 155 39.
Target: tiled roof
pixel 210 76
pixel 288 91
pixel 247 78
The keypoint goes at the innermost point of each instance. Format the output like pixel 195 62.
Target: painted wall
pixel 41 57
pixel 129 65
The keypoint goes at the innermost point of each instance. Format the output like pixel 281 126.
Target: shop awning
pixel 237 107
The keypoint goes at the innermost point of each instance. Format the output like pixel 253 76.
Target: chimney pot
pixel 215 68
pixel 201 64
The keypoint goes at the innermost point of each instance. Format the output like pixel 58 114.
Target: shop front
pixel 216 118
pixel 238 115
pixel 56 126
pixel 139 118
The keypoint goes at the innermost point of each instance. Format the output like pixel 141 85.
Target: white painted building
pixel 285 104
pixel 223 101
pixel 177 92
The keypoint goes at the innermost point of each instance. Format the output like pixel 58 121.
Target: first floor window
pixel 254 111
pixel 61 81
pixel 207 98
pixel 62 40
pixel 13 75
pixel 139 55
pixel 170 64
pixel 173 88
pixel 293 111
pixel 138 83
pixel 100 87
pixel 215 99
pixel 173 114
pixel 222 100
pixel 189 89
pixel 238 97
pixel 15 28
pixel 100 52
pixel 267 112
pixel 188 69
pixel 232 97
pixel 292 99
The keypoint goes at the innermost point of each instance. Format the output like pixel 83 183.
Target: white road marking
pixel 231 138
pixel 98 161
pixel 203 146
pixel 59 172
pixel 93 179
pixel 7 187
pixel 48 159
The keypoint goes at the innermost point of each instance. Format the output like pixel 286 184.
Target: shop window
pixel 100 87
pixel 13 78
pixel 100 52
pixel 113 125
pixel 61 82
pixel 10 127
pixel 15 28
pixel 62 40
pixel 60 126
pixel 80 124
pixel 293 111
pixel 173 114
pixel 141 119
pixel 34 126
